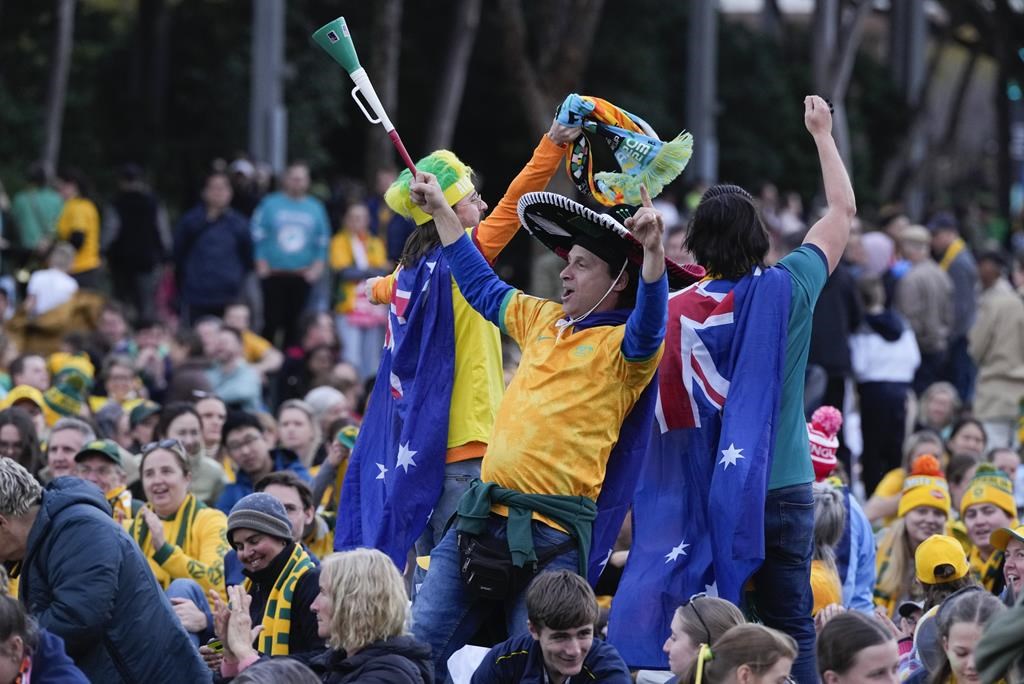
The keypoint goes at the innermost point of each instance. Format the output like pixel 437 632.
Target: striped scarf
pixel 988 572
pixel 277 617
pixel 176 530
pixel 120 500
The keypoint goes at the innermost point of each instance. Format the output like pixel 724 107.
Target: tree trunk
pixel 771 20
pixel 449 100
pixel 383 72
pixel 544 81
pixel 57 88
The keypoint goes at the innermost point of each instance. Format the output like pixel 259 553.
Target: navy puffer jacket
pixel 84 579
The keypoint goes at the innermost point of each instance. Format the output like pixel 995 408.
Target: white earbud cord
pixel 564 323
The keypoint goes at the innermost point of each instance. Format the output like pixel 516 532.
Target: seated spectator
pixel 829 525
pixel 854 648
pixel 701 620
pixel 212 413
pixel 101 462
pixel 188 368
pixel 562 614
pixel 1011 543
pixel 245 442
pixel 18 439
pixel 961 621
pixel 1006 460
pixel 28 653
pixel 67 438
pixel 181 422
pixel 142 421
pixel 329 404
pixel 30 400
pixel 52 287
pixel 299 431
pixel 967 437
pixel 923 510
pixel 959 472
pixel 30 369
pixel 746 654
pixel 120 380
pixel 939 407
pixel 276 671
pixel 308 528
pixel 183 540
pixel 257 351
pixel 329 479
pixel 234 380
pixel 884 501
pixel 986 506
pixel 280 577
pixel 84 580
pixel 362 610
pixel 113 423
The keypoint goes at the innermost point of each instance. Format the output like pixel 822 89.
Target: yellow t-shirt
pixel 254 346
pixel 579 382
pixel 79 214
pixel 342 256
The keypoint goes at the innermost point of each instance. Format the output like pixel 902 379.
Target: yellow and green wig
pixel 454 177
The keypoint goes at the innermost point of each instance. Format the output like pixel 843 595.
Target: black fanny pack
pixel 487 569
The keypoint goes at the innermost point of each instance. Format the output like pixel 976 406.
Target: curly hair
pixel 18 489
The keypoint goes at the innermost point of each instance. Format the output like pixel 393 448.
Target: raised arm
pixel 645 329
pixel 832 230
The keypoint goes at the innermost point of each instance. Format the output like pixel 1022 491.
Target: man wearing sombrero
pixel 585 363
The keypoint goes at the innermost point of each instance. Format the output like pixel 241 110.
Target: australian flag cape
pixel 623 468
pixel 698 510
pixel 396 470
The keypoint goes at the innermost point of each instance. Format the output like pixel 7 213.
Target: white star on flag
pixel 730 456
pixel 405 455
pixel 711 589
pixel 607 558
pixel 382 471
pixel 676 552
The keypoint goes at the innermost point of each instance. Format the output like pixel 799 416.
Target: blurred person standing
pixel 290 232
pixel 996 344
pixel 213 252
pixel 924 296
pixel 51 287
pixel 356 256
pixel 35 211
pixel 79 225
pixel 136 237
pixel 955 259
pixel 385 224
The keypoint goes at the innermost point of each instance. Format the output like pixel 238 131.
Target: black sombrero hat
pixel 559 223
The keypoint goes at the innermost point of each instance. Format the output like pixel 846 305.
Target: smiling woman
pixel 961 623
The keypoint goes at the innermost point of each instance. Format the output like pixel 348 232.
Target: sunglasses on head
pixel 170 444
pixel 692 603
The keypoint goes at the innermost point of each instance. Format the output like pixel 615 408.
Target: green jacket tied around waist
pixel 574 513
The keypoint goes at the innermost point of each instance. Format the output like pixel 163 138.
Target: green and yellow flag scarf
pixel 176 530
pixel 277 616
pixel 988 572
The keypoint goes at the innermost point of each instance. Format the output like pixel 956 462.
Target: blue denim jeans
pixel 446 616
pixel 782 586
pixel 190 589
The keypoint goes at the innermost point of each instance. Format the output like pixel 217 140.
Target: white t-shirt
pixel 51 288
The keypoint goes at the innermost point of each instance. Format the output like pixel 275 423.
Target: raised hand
pixel 156 528
pixel 817 116
pixel 426 193
pixel 647 224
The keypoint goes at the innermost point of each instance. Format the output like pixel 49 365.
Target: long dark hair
pixel 977 606
pixel 726 234
pixel 29 456
pixel 843 637
pixel 420 243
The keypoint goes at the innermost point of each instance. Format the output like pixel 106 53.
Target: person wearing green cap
pixel 477 385
pixel 101 463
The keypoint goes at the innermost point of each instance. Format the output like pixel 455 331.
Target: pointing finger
pixel 645 196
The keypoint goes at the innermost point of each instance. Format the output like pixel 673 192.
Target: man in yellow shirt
pixel 585 364
pixel 79 225
pixel 258 351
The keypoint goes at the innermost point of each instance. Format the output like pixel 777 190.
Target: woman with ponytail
pixel 746 654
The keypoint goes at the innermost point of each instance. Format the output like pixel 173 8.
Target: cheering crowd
pixel 733 451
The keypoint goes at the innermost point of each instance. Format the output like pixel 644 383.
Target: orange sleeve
pixel 500 226
pixel 383 288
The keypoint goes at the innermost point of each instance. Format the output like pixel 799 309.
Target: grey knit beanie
pixel 262 513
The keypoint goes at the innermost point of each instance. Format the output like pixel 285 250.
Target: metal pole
pixel 268 140
pixel 701 95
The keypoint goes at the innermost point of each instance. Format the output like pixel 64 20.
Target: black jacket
pixel 85 580
pixel 398 660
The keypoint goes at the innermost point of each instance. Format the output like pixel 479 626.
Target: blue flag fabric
pixel 396 470
pixel 698 510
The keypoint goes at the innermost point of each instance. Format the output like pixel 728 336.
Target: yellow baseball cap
pixel 22 393
pixel 1002 537
pixel 936 555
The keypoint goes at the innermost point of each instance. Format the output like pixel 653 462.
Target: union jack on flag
pixel 698 511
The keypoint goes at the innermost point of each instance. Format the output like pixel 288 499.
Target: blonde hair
pixel 896 577
pixel 314 423
pixel 368 596
pixel 829 523
pixel 18 489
